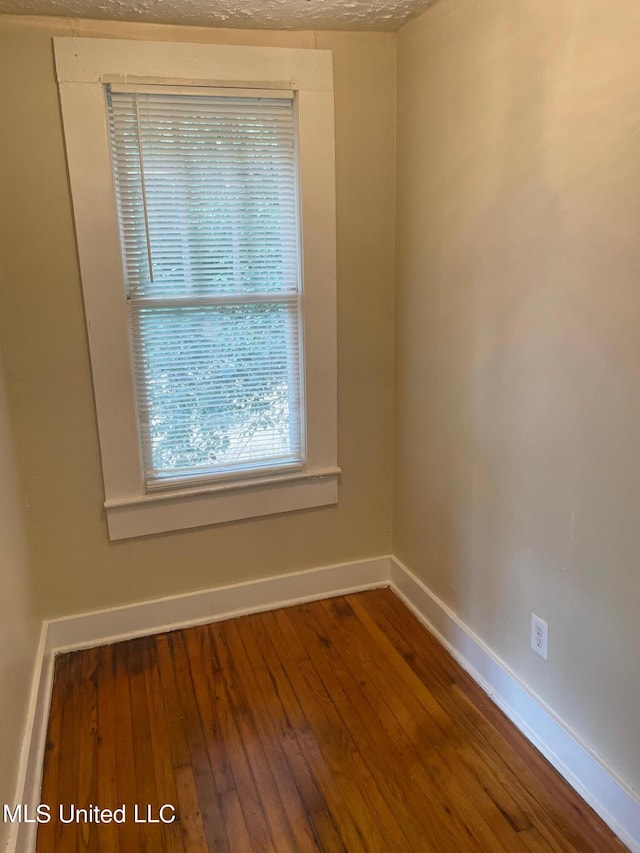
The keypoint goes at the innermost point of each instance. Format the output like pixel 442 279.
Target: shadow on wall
pixel 515 382
pixel 532 481
pixel 19 626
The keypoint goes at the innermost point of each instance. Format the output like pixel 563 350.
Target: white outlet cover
pixel 539 636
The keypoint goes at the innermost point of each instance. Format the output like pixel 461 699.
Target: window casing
pixel 174 286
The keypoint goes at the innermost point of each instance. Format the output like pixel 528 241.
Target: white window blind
pixel 208 208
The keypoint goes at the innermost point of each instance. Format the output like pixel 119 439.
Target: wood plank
pixel 434 707
pixel 255 819
pixel 175 834
pixel 130 839
pixel 308 707
pixel 279 728
pixel 261 769
pixel 46 836
pixel 457 813
pixel 550 802
pixel 237 830
pixel 87 735
pixel 153 836
pixel 209 804
pixel 476 747
pixel 249 673
pixel 337 725
pixel 315 776
pixel 67 833
pixel 207 677
pixel 184 772
pixel 106 769
pixel 384 761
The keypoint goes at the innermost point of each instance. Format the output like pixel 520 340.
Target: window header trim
pixel 87 60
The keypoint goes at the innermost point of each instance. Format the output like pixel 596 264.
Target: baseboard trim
pixel 22 836
pixel 103 627
pixel 584 770
pixel 609 796
pixel 213 605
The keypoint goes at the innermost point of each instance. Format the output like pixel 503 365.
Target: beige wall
pixel 19 629
pixel 75 566
pixel 517 444
pixel 517 471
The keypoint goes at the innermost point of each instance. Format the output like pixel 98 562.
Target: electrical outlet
pixel 539 636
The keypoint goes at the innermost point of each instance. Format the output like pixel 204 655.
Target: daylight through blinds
pixel 207 201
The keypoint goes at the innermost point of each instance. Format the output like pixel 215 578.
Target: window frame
pixel 292 299
pixel 84 67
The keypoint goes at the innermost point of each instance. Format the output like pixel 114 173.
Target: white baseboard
pixel 212 605
pixel 598 784
pixel 22 836
pixel 165 614
pixel 583 769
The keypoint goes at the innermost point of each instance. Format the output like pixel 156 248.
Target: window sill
pixel 143 515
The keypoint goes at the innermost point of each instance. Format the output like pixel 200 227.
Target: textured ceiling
pixel 272 14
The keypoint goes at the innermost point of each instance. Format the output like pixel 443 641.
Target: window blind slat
pixel 207 198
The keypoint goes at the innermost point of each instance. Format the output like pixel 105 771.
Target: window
pixel 203 191
pixel 207 201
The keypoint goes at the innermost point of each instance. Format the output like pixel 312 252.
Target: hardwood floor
pixel 340 725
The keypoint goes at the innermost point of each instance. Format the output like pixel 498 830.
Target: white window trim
pixel 84 66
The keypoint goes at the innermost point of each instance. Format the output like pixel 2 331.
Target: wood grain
pixel 337 726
